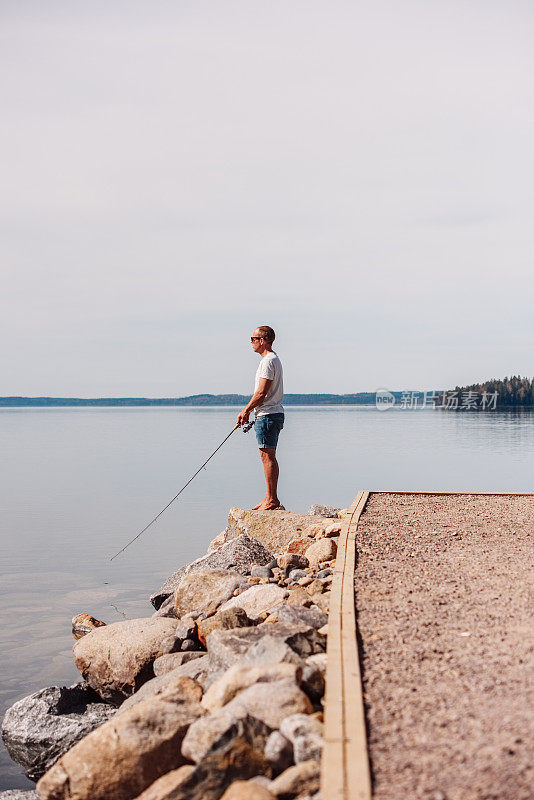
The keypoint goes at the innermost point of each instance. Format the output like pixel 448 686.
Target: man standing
pixel 269 421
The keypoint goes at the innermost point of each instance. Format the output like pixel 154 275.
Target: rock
pixel 322 600
pixel 305 734
pixel 299 545
pixel 126 754
pixel 289 561
pixel 224 725
pixel 297 780
pixel 334 529
pixel 298 596
pixel 189 646
pixel 293 615
pixel 318 660
pixel 323 550
pixel 296 574
pixel 223 620
pixel 180 685
pixel 18 794
pixel 83 624
pixel 261 572
pixel 313 682
pixel 225 648
pixel 165 786
pixel 323 511
pixel 324 630
pixel 38 729
pixel 247 790
pixel 226 762
pixel 324 573
pixel 218 541
pixel 316 586
pixel 278 752
pixel 169 662
pixel 205 591
pixel 305 581
pixel 315 531
pixel 239 677
pixel 274 529
pixel 238 555
pixel 270 702
pixel 257 599
pixel 167 608
pixel 116 659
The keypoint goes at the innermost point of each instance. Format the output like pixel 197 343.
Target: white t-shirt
pixel 270 367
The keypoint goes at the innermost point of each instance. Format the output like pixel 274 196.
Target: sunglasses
pixel 256 338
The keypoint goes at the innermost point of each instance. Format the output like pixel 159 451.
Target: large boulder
pixel 240 677
pixel 204 591
pixel 324 511
pixel 223 620
pixel 117 659
pixel 305 734
pixel 264 644
pixel 323 550
pixel 181 685
pixel 274 529
pixel 237 555
pixel 172 661
pixel 223 764
pixel 125 755
pixel 295 615
pixel 258 599
pixel 270 702
pixel 38 729
pixel 224 725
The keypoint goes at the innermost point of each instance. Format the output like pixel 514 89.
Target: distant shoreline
pixel 362 398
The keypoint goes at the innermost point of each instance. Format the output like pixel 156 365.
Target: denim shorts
pixel 267 429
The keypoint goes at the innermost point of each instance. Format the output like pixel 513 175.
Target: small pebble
pixel 297 574
pixel 324 573
pixel 261 572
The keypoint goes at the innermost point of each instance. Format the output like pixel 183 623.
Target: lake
pixel 78 483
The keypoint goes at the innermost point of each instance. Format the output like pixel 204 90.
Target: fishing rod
pixel 245 428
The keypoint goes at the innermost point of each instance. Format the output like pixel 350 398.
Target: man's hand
pixel 242 417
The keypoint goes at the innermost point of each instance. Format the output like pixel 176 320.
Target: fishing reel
pixel 247 426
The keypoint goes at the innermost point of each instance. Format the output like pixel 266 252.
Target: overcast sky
pixel 359 175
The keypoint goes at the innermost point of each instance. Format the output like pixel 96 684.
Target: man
pixel 269 421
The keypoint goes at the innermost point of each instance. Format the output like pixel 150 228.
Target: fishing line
pixel 245 428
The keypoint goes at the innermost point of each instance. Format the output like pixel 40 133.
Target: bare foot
pixel 268 505
pixel 257 507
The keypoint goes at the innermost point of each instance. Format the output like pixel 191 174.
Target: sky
pixel 358 175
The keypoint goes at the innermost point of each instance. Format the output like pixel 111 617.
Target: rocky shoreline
pixel 218 694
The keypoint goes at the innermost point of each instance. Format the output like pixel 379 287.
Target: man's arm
pixel 256 400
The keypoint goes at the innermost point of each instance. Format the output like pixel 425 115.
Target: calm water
pixel 77 484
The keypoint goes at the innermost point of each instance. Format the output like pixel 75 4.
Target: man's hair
pixel 266 333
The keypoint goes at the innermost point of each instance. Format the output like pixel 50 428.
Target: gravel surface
pixel 444 594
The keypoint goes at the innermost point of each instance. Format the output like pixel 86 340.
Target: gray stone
pixel 295 615
pixel 261 572
pixel 278 752
pixel 305 734
pixel 167 608
pixel 296 574
pixel 238 554
pixel 204 591
pixel 38 729
pixel 171 661
pixel 204 733
pixel 257 600
pixel 324 573
pixel 228 647
pixel 270 702
pixel 323 511
pixel 227 620
pixel 18 794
